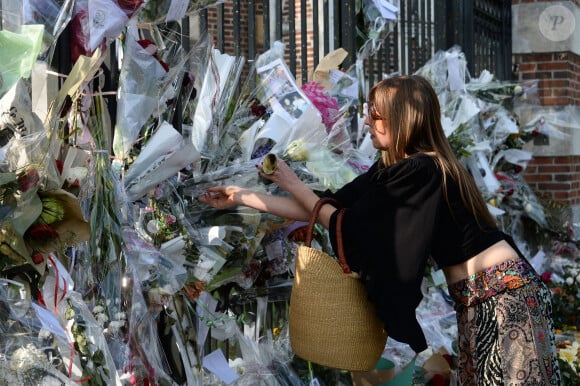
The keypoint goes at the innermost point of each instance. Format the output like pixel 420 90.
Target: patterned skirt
pixel 506 333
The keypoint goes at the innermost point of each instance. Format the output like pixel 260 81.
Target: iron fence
pixel 311 29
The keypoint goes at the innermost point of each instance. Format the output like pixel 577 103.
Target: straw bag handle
pixel 312 222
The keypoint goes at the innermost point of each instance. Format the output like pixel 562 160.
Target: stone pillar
pixel 546 48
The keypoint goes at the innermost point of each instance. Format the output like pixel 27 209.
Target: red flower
pixel 449 359
pixel 438 380
pixel 28 179
pixel 59 165
pixel 151 48
pixel 37 258
pixel 129 6
pixel 546 277
pixel 41 232
pixel 257 109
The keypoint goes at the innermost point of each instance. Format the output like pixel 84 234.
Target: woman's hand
pixel 283 176
pixel 221 197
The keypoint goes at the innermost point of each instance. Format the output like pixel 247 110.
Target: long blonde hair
pixel 410 110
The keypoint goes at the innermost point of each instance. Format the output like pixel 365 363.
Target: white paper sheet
pixel 217 363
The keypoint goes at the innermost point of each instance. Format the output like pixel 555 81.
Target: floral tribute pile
pixel 112 273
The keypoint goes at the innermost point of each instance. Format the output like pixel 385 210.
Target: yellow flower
pixel 569 353
pixel 297 151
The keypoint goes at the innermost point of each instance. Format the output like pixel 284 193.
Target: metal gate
pixel 313 28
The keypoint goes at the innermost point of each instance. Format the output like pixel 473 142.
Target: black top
pixel 395 218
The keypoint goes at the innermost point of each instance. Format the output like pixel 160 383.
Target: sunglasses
pixel 373 113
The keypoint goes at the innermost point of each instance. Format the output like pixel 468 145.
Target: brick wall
pixel 557 177
pixel 558 76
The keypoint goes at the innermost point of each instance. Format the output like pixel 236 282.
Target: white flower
pixel 121 315
pixel 102 319
pixel 569 353
pixel 115 325
pixel 578 279
pixel 569 280
pixel 98 309
pixel 153 227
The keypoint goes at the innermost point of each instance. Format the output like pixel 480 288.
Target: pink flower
pixel 327 105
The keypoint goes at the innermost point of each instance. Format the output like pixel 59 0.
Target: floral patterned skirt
pixel 506 334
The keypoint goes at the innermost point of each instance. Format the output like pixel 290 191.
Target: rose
pixel 546 277
pixel 28 179
pixel 41 232
pixel 37 258
pixel 129 6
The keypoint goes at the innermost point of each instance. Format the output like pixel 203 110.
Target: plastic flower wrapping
pixel 111 271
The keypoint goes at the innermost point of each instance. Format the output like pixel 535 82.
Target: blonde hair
pixel 410 110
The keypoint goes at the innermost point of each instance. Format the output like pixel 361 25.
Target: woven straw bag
pixel 331 321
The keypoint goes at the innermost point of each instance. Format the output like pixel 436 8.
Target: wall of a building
pixel 546 49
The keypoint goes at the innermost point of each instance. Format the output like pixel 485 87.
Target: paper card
pixel 346 84
pixel 106 21
pixel 209 263
pixel 217 363
pixel 49 321
pixel 283 94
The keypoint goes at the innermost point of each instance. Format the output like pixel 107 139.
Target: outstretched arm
pixel 223 197
pixel 299 207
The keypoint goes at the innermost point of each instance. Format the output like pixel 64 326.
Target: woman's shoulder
pixel 419 164
pixel 418 173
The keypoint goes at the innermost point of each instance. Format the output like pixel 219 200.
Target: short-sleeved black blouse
pixel 395 218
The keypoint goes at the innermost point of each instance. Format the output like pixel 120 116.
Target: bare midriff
pixel 496 254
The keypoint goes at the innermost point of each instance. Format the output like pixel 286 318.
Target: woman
pixel 417 201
